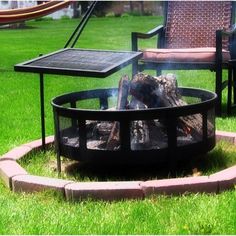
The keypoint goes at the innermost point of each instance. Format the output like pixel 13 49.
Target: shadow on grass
pixel 201 165
pixel 44 164
pixel 23 27
pixel 224 111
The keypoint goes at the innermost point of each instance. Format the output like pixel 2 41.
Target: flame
pixel 187 130
pixel 196 172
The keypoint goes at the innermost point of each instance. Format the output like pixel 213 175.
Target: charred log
pixel 122 101
pixel 147 92
pixel 139 128
pixel 155 91
pixel 135 104
pixel 162 91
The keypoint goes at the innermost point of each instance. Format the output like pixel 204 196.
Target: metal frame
pixel 125 155
pixel 78 30
pixel 29 66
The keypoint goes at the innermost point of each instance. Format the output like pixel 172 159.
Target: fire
pixel 187 130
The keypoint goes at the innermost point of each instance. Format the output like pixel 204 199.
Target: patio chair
pixel 195 35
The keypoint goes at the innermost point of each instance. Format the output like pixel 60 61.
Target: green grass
pixel 47 213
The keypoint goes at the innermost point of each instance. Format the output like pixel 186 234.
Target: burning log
pixel 162 91
pixel 147 92
pixel 156 91
pixel 122 101
pixel 135 104
pixel 140 137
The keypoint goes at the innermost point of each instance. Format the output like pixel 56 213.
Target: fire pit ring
pixel 73 137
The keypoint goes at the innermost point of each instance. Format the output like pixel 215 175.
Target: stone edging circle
pixel 18 180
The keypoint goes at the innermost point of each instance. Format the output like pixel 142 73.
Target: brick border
pixel 18 180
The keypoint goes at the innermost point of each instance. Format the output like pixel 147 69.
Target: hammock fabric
pixel 23 14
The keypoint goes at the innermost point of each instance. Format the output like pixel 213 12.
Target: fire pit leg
pixel 172 142
pixel 134 68
pixel 56 142
pixel 58 163
pixel 42 110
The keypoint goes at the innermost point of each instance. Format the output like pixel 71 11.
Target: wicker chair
pixel 195 35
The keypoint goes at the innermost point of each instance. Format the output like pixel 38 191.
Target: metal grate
pixel 85 62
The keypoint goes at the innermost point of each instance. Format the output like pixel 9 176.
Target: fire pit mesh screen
pixel 187 134
pixel 148 135
pixel 211 120
pixel 84 122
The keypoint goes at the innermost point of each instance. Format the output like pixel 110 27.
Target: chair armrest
pixel 228 32
pixel 149 34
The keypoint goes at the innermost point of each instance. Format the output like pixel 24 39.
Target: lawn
pixel 47 213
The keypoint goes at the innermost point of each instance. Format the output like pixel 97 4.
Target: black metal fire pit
pixel 83 125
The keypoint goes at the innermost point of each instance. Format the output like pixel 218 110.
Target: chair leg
pixel 218 90
pixel 158 72
pixel 234 86
pixel 134 68
pixel 229 99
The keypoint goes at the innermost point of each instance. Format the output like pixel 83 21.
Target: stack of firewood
pixel 151 92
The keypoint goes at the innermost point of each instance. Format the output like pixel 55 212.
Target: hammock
pixel 23 14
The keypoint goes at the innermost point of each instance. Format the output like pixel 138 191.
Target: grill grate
pixel 88 62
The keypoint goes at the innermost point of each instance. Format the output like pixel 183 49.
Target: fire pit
pixel 85 120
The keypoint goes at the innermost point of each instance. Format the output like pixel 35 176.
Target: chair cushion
pixel 183 55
